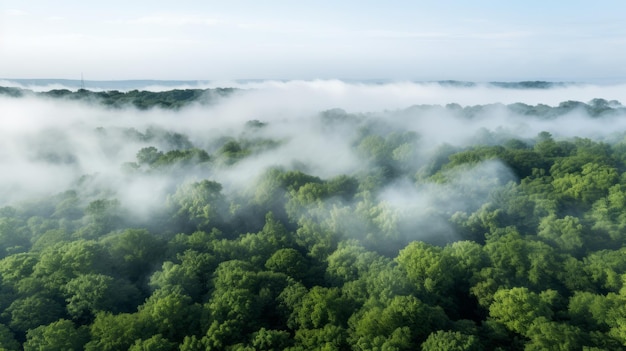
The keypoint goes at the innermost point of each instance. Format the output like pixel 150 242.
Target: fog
pixel 47 145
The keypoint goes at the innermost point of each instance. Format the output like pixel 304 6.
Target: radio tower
pixel 82 82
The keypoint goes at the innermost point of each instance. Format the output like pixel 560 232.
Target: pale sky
pixel 478 40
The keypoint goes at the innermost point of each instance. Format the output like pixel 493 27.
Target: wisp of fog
pixel 49 145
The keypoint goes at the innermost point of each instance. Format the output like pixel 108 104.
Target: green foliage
pixel 32 311
pixel 115 332
pixel 452 341
pixel 134 252
pixel 59 335
pixel 289 262
pixel 7 339
pixel 518 308
pixel 154 343
pixel 200 204
pixel 405 320
pixel 428 267
pixel 91 293
pixel 270 340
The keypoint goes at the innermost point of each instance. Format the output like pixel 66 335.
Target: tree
pixel 65 261
pixel 549 335
pixel 566 233
pixel 154 343
pixel 289 262
pixel 594 312
pixel 321 306
pixel 605 268
pixel 16 267
pixel 349 262
pixel 428 268
pixel 111 332
pixel 101 217
pixel 91 293
pixel 7 339
pixel 59 335
pixel 232 313
pixel 451 341
pixel 517 308
pixel 403 318
pixel 328 338
pixel 508 253
pixel 171 314
pixel 201 204
pixel 13 236
pixel 32 311
pixel 148 155
pixel 270 340
pixel 134 252
pixel 192 274
pixel 592 183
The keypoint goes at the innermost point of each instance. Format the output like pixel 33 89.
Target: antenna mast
pixel 82 82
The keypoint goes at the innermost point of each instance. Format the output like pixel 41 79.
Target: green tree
pixel 517 308
pixel 59 335
pixel 111 332
pixel 148 155
pixel 270 340
pixel 594 312
pixel 451 341
pixel 16 267
pixel 549 335
pixel 171 314
pixel 32 311
pixel 154 343
pixel 328 338
pixel 591 184
pixel 321 306
pixel 101 216
pixel 134 252
pixel 289 262
pixel 7 339
pixel 13 235
pixel 192 275
pixel 605 268
pixel 428 267
pixel 200 204
pixel 91 293
pixel 349 262
pixel 566 233
pixel 65 261
pixel 404 318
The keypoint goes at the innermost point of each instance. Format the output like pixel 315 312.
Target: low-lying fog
pixel 46 144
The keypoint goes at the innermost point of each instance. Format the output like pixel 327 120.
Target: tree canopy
pixel 501 243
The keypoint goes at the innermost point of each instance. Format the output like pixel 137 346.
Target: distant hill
pixel 170 99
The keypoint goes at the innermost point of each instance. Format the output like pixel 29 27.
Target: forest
pixel 362 231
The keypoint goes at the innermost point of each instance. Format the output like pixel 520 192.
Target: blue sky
pixel 397 40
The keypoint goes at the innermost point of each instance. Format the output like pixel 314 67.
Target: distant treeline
pixel 141 99
pixel 177 98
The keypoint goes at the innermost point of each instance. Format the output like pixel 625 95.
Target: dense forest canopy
pixel 222 220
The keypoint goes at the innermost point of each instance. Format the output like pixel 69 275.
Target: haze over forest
pixel 280 175
pixel 312 215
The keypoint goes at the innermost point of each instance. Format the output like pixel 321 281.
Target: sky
pixel 478 40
